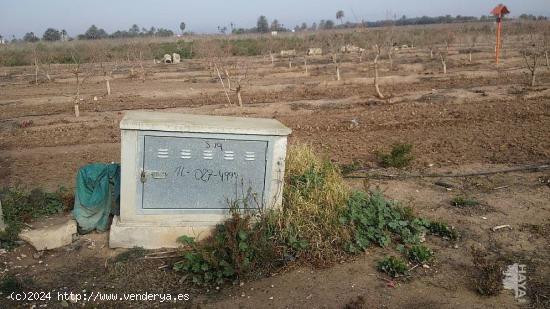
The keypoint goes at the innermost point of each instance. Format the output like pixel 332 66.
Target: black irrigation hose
pixel 405 176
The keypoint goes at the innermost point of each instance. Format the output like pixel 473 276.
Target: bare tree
pixel 225 90
pixel 546 47
pixel 105 64
pixel 81 73
pixel 530 57
pixel 270 48
pixel 533 49
pixel 375 62
pixel 137 51
pixel 231 72
pixel 238 77
pixel 443 59
pixel 334 42
pixel 40 55
pixel 471 45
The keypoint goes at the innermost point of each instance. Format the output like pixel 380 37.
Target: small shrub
pixel 234 251
pixel 392 266
pixel 314 198
pixel 443 230
pixel 419 254
pixel 488 274
pixel 461 202
pixel 399 157
pixel 375 219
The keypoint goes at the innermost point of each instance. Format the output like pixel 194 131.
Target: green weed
pixel 442 229
pixel 399 157
pixel 375 219
pixel 419 254
pixel 235 250
pixel 392 266
pixel 461 202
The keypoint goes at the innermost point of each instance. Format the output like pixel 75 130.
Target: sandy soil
pixel 475 118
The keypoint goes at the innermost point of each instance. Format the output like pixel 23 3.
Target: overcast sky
pixel 20 16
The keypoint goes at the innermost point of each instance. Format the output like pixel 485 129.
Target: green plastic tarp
pixel 97 186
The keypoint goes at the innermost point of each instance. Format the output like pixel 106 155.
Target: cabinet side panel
pixel 128 169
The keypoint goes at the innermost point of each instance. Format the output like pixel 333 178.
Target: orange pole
pixel 499 26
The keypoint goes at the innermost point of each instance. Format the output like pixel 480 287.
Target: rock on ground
pixel 55 235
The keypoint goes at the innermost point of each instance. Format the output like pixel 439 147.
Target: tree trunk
pixel 143 74
pixel 547 61
pixel 470 56
pixel 289 63
pixel 108 84
pixel 431 53
pixel 376 78
pixel 533 78
pixel 443 63
pixel 223 85
pixel 391 60
pixel 35 71
pixel 76 110
pixel 239 98
pixel 337 72
pixel 272 59
pixel 228 79
pixel 305 65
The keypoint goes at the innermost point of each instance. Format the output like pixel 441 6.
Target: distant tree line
pixel 263 26
pixel 405 21
pixel 532 17
pixel 95 33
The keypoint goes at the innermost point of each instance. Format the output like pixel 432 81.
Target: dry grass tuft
pixel 314 200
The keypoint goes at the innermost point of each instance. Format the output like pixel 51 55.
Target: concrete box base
pixel 152 236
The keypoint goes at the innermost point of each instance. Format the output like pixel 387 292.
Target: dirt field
pixel 474 118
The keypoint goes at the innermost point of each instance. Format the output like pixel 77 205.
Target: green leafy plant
pixel 442 229
pixel 399 157
pixel 419 254
pixel 461 202
pixel 375 219
pixel 392 266
pixel 236 248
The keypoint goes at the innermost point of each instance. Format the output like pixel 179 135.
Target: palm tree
pixel 340 16
pixel 182 27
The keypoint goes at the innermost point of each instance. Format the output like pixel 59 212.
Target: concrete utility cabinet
pixel 181 174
